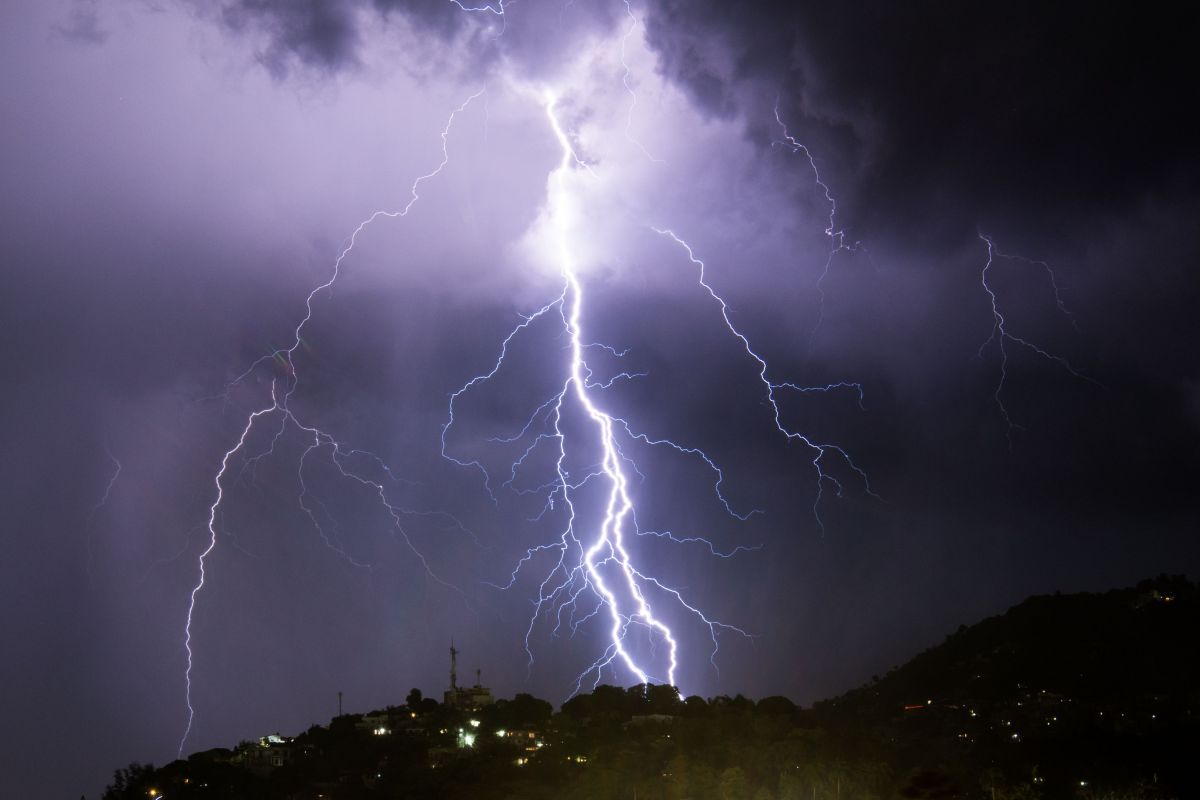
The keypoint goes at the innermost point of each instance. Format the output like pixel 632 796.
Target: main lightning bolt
pixel 592 556
pixel 340 456
pixel 594 574
pixel 608 546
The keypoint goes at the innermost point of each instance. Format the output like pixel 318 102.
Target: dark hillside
pixel 1080 688
pixel 1086 696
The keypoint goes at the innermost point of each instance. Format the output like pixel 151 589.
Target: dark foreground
pixel 1064 696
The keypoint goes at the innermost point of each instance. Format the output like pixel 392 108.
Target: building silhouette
pixel 465 697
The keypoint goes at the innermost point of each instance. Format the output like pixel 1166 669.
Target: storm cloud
pixel 177 177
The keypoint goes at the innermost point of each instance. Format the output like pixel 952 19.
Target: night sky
pixel 177 176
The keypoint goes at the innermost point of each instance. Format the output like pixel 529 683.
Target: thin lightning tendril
pixel 836 235
pixel 1002 337
pixel 626 78
pixel 486 8
pixel 498 9
pixel 284 359
pixel 212 543
pixel 820 451
pixel 97 506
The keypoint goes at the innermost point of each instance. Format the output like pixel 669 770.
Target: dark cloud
pixel 319 33
pixel 967 113
pixel 930 118
pixel 1056 129
pixel 328 36
pixel 167 217
pixel 82 25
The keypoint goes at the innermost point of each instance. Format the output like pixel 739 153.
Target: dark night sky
pixel 177 176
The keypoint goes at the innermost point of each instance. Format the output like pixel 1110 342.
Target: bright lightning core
pixel 589 573
pixel 594 575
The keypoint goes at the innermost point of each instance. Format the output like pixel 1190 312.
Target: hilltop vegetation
pixel 1065 696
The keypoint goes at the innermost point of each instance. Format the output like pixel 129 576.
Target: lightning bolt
pixel 819 451
pixel 339 455
pixel 99 504
pixel 594 574
pixel 212 543
pixel 496 8
pixel 593 577
pixel 1002 337
pixel 626 81
pixel 835 234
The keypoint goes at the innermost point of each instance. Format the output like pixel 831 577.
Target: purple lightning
pixel 99 504
pixel 593 574
pixel 486 8
pixel 819 451
pixel 626 78
pixel 836 235
pixel 1001 336
pixel 339 454
pixel 212 543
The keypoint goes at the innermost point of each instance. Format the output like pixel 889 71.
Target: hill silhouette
pixel 1073 691
pixel 1063 696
